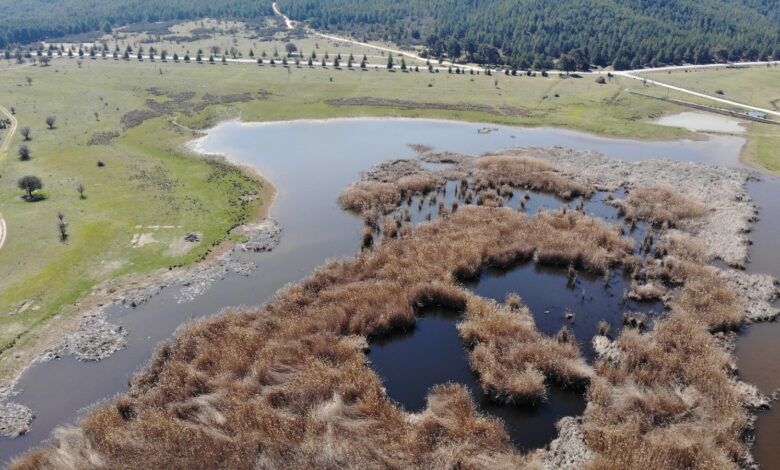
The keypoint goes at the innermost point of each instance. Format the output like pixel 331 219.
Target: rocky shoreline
pixel 96 338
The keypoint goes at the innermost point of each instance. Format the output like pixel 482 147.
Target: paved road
pixel 634 74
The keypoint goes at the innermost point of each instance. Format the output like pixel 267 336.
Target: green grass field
pixel 757 86
pixel 150 180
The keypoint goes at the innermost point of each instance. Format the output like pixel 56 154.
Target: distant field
pixel 227 38
pixel 758 86
pixel 149 181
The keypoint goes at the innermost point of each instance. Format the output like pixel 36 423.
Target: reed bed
pixel 287 385
pixel 490 177
pixel 659 205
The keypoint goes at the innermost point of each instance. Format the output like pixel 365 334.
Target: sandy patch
pixel 695 121
pixel 141 239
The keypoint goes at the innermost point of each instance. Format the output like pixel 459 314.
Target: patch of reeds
pixel 668 402
pixel 502 172
pixel 659 205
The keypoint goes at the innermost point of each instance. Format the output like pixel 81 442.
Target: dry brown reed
pixel 287 385
pixel 669 402
pixel 497 171
pixel 659 205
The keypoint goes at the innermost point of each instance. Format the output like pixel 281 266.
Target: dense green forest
pixel 33 20
pixel 525 33
pixel 569 34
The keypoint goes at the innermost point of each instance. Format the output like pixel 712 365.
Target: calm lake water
pixel 310 162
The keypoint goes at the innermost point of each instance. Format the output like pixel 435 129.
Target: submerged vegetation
pixel 286 385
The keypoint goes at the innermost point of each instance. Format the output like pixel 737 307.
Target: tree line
pixel 538 34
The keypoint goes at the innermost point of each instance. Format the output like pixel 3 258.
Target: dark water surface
pixel 310 162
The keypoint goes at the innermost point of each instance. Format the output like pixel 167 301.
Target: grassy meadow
pixel 756 86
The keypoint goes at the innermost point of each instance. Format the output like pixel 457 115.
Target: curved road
pixel 3 149
pixel 290 25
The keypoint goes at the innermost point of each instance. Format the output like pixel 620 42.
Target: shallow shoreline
pixel 52 338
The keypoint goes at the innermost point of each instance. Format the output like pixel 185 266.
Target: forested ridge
pixel 526 33
pixel 540 34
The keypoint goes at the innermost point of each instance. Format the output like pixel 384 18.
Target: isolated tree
pixel 290 47
pixel 50 121
pixel 363 64
pixel 28 80
pixel 24 152
pixel 29 184
pixel 13 110
pixel 175 57
pixel 390 61
pixel 81 190
pixel 25 131
pixel 251 53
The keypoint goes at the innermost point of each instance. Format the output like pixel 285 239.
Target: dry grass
pixel 490 177
pixel 512 358
pixel 660 205
pixel 669 402
pixel 496 171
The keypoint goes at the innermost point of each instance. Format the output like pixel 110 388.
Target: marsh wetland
pixel 411 356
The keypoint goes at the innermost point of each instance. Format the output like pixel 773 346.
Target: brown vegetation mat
pixel 502 110
pixel 660 205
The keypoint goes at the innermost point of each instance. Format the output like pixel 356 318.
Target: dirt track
pixel 3 149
